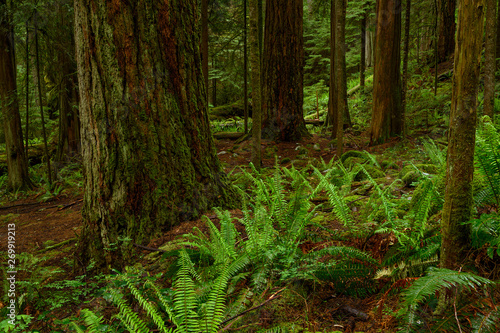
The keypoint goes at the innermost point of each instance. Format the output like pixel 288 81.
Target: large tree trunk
pixel 283 71
pixel 406 52
pixel 387 115
pixel 447 27
pixel 370 42
pixel 332 92
pixel 362 61
pixel 459 166
pixel 490 60
pixel 17 167
pixel 148 154
pixel 255 78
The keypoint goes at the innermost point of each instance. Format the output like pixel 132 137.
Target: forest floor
pixel 50 229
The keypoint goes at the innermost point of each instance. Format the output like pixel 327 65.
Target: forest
pixel 261 166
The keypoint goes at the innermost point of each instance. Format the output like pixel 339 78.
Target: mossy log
pixel 235 109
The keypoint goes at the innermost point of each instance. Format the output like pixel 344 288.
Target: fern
pixel 435 280
pixel 127 316
pixel 487 323
pixel 487 157
pixel 95 323
pixel 185 297
pixel 436 155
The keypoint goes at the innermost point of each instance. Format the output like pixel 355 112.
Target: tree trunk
pixel 255 83
pixel 363 52
pixel 460 157
pixel 370 42
pixel 17 167
pixel 204 42
pixel 283 72
pixel 148 153
pixel 332 93
pixel 245 65
pixel 341 76
pixel 490 60
pixel 405 58
pixel 387 108
pixel 69 133
pixel 447 27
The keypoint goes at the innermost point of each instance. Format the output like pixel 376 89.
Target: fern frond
pixel 487 323
pixel 126 315
pixel 437 279
pixel 150 310
pixel 185 302
pixel 340 208
pixel 91 319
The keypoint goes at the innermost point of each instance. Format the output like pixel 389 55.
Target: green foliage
pixel 485 230
pixel 487 157
pixel 436 280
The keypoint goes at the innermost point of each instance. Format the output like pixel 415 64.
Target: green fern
pixel 487 157
pixel 435 280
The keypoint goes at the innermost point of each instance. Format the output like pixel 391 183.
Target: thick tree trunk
pixel 447 27
pixel 17 167
pixel 255 78
pixel 490 60
pixel 387 115
pixel 148 153
pixel 204 42
pixel 283 71
pixel 460 157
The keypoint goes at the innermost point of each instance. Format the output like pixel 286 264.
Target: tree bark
pixel 341 76
pixel 332 100
pixel 490 58
pixel 255 78
pixel 460 157
pixel 148 153
pixel 204 42
pixel 283 72
pixel 387 111
pixel 405 58
pixel 370 42
pixel 447 28
pixel 17 167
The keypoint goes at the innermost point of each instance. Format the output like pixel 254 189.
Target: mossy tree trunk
pixel 490 57
pixel 283 71
pixel 255 79
pixel 459 166
pixel 148 154
pixel 387 114
pixel 17 167
pixel 447 27
pixel 332 95
pixel 69 124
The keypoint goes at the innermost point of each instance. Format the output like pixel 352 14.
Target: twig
pixel 152 249
pixel 271 298
pixel 71 204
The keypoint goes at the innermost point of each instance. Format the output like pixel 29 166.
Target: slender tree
pixel 490 58
pixel 148 153
pixel 406 52
pixel 283 71
pixel 333 96
pixel 362 60
pixel 340 68
pixel 387 114
pixel 447 28
pixel 245 65
pixel 458 202
pixel 255 78
pixel 17 167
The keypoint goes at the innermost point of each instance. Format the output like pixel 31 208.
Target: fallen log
pixel 228 135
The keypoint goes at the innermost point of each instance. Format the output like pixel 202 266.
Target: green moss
pixel 352 161
pixel 373 171
pixel 411 175
pixel 352 153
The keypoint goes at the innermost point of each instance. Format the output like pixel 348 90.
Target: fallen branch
pixel 271 298
pixel 55 246
pixel 152 249
pixel 19 205
pixel 228 135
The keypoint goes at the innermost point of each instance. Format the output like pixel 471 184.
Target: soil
pixel 41 225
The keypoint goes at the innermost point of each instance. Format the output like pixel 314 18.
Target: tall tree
pixel 332 95
pixel 255 78
pixel 447 28
pixel 17 167
pixel 204 42
pixel 283 71
pixel 490 57
pixel 387 114
pixel 340 69
pixel 461 139
pixel 362 60
pixel 406 52
pixel 148 153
